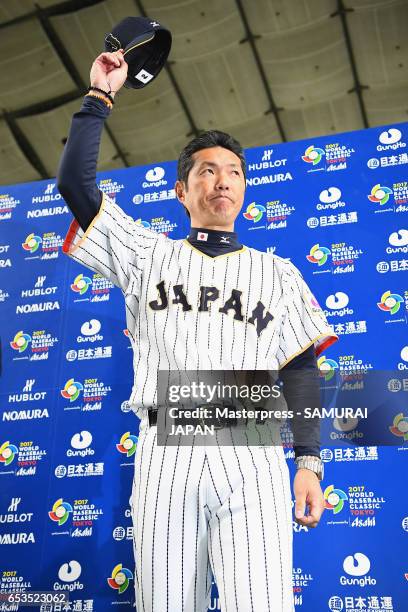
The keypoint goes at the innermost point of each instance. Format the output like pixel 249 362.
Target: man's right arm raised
pixel 101 237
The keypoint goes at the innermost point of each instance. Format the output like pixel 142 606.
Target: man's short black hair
pixel 207 140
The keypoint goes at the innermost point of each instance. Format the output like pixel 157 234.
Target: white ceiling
pixel 299 47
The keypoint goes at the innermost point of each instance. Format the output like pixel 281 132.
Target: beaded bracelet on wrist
pixel 101 91
pixel 100 97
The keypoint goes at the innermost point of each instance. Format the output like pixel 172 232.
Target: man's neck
pixel 214 242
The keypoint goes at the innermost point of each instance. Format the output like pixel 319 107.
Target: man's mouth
pixel 221 197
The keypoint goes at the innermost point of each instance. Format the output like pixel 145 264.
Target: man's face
pixel 215 189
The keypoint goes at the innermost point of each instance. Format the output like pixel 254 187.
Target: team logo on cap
pixel 143 76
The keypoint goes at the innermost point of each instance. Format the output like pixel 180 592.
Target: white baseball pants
pixel 204 512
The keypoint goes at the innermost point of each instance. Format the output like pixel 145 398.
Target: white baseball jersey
pixel 199 512
pixel 185 310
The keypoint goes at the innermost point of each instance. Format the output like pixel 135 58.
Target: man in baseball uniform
pixel 206 302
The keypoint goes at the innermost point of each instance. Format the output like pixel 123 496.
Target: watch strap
pixel 310 462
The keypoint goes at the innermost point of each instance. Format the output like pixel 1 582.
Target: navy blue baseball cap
pixel 146 45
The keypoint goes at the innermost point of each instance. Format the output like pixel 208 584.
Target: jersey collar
pixel 213 242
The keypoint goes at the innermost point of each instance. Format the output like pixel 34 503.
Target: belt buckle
pixel 227 422
pixel 201 420
pixel 215 421
pixel 218 424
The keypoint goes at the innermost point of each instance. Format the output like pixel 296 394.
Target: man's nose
pixel 222 181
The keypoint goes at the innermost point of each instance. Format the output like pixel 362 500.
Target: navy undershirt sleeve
pixel 301 388
pixel 76 176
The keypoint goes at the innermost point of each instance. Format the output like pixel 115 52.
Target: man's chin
pixel 223 209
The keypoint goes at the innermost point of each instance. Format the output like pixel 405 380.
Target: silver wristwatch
pixel 311 463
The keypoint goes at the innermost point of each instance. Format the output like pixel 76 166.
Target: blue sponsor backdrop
pixel 337 207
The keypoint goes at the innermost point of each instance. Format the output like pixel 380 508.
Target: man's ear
pixel 180 191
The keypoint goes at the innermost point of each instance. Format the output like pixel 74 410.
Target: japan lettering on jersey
pixel 186 310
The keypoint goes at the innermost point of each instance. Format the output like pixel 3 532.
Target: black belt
pixel 152 416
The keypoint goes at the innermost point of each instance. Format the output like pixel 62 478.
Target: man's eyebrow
pixel 215 165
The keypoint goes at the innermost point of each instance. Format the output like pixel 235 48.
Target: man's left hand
pixel 308 492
